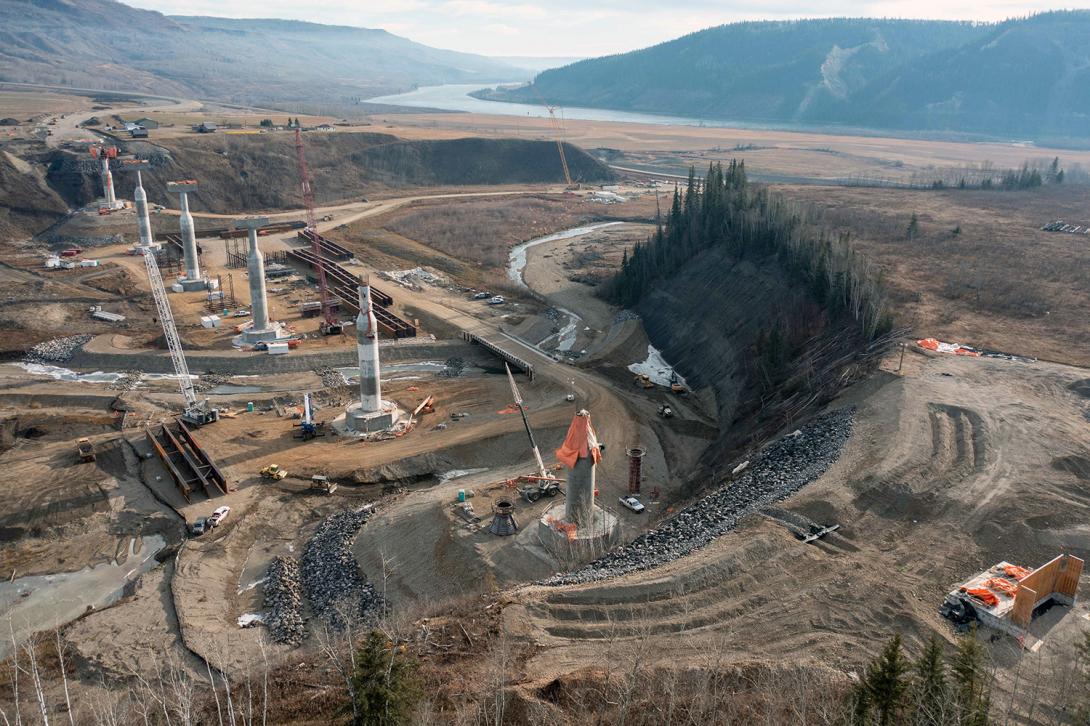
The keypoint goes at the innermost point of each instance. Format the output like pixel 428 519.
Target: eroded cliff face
pixel 761 343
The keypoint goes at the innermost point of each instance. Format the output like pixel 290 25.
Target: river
pixel 455 97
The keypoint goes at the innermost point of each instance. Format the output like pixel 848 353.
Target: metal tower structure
pixel 196 412
pixel 329 325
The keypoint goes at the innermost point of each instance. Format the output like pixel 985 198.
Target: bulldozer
pixel 273 472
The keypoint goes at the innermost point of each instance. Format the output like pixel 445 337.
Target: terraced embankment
pixel 950 468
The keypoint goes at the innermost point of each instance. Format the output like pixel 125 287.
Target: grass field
pixel 980 271
pixel 26 104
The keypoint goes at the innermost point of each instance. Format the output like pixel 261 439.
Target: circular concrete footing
pixel 251 336
pixel 356 421
pixel 578 544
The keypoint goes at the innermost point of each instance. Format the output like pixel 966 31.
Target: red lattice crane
pixel 329 324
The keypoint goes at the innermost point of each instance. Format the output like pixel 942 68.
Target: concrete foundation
pixel 356 420
pixel 570 543
pixel 252 335
pixel 201 283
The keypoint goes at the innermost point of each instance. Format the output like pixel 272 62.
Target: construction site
pixel 232 430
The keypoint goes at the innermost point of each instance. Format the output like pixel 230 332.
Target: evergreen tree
pixel 972 694
pixel 913 227
pixel 384 683
pixel 886 683
pixel 930 695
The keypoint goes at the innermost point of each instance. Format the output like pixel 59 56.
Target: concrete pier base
pixel 201 283
pixel 569 543
pixel 357 421
pixel 251 336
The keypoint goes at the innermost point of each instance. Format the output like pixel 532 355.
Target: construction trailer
pixel 1006 596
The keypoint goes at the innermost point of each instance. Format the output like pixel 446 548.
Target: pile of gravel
pixel 58 350
pixel 331 577
pixel 778 472
pixel 623 315
pixel 284 602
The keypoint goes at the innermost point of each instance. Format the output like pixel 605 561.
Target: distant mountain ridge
pixel 109 45
pixel 1027 77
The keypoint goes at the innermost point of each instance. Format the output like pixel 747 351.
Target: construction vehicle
pixel 308 428
pixel 541 485
pixel 329 324
pixel 273 472
pixel 676 387
pixel 665 411
pixel 197 412
pixel 86 450
pixel 321 483
pixel 644 381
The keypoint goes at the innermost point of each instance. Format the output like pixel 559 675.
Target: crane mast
pixel 196 412
pixel 329 325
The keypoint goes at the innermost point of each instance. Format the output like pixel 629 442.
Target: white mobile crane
pixel 542 484
pixel 196 412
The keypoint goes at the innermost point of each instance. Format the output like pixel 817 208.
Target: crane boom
pixel 541 471
pixel 329 324
pixel 170 330
pixel 558 126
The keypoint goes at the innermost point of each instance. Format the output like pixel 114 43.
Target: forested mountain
pixel 109 45
pixel 1027 76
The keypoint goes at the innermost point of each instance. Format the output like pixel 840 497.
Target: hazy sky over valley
pixel 577 27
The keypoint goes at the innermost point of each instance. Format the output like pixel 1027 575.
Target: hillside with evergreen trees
pixel 1026 77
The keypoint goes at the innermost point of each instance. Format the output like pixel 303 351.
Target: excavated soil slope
pixel 949 470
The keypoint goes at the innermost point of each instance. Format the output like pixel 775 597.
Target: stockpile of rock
pixel 284 602
pixel 453 368
pixel 779 471
pixel 127 381
pixel 331 378
pixel 208 381
pixel 58 350
pixel 331 578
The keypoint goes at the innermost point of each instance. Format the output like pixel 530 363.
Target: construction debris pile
pixel 414 278
pixel 331 578
pixel 782 469
pixel 284 602
pixel 58 350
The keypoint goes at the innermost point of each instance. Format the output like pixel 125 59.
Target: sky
pixel 580 28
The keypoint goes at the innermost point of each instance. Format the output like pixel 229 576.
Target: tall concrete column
pixel 580 453
pixel 143 221
pixel 107 181
pixel 579 497
pixel 189 235
pixel 367 347
pixel 255 265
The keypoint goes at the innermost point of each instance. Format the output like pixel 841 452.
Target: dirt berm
pixel 261 172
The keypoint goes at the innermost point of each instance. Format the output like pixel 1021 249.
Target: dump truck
pixel 273 472
pixel 86 450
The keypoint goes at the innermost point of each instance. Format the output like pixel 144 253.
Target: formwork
pixel 1005 596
